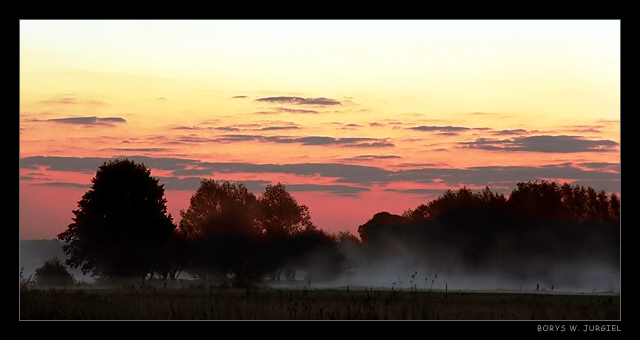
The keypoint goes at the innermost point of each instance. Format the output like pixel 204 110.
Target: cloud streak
pixel 369 158
pixel 433 128
pixel 287 110
pixel 543 143
pixel 446 130
pixel 70 100
pixel 53 163
pixel 260 126
pixel 356 142
pixel 87 121
pixel 322 101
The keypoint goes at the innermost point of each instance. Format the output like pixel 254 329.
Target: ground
pixel 344 303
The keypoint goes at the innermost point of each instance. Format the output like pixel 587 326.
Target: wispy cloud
pixel 300 100
pixel 325 141
pixel 136 149
pixel 337 189
pixel 76 164
pixel 430 128
pixel 258 126
pixel 544 143
pixel 582 128
pixel 273 128
pixel 419 191
pixel 287 110
pixel 446 130
pixel 86 121
pixel 369 158
pixel 344 126
pixel 614 167
pixel 357 142
pixel 63 185
pixel 508 176
pixel 510 132
pixel 70 100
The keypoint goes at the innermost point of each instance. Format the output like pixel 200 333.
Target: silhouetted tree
pixel 614 208
pixel 538 201
pixel 53 273
pixel 573 199
pixel 464 220
pixel 380 225
pixel 548 201
pixel 219 208
pixel 540 222
pixel 281 218
pixel 462 201
pixel 222 230
pixel 281 215
pixel 314 251
pixel 121 227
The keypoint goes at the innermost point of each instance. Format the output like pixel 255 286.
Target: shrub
pixel 53 273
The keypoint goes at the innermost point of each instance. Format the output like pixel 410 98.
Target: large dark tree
pixel 121 227
pixel 220 227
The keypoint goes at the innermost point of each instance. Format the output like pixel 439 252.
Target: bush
pixel 53 273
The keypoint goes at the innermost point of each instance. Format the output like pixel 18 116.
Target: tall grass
pixel 309 304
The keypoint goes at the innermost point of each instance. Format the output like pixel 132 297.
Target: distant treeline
pixel 121 229
pixel 540 227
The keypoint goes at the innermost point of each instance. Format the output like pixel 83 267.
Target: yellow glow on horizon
pixel 162 74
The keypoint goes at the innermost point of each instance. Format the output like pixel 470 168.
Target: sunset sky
pixel 354 117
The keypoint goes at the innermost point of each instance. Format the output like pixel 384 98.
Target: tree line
pixel 122 229
pixel 540 227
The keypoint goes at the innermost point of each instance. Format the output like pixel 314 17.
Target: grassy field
pixel 310 304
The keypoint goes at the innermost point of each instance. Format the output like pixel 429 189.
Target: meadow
pixel 345 303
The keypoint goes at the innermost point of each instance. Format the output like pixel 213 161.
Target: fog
pixel 393 267
pixel 395 263
pixel 33 254
pixel 568 277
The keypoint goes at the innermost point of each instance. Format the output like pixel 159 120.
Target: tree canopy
pixel 220 208
pixel 281 215
pixel 531 201
pixel 121 226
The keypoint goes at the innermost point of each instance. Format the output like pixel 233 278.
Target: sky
pixel 355 117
